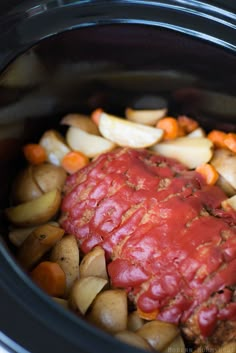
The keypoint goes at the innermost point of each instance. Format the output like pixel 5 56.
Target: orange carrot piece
pixel 218 138
pixel 187 124
pixel 208 172
pixel 34 153
pixel 73 161
pixel 230 141
pixel 95 115
pixel 50 277
pixel 147 316
pixel 170 127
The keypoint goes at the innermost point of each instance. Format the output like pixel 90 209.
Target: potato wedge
pixel 145 117
pixel 133 339
pixel 159 334
pixel 81 121
pixel 127 133
pixel 35 212
pixel 66 254
pixel 94 264
pixel 63 302
pixel 54 145
pixel 190 151
pixel 90 145
pixel 84 291
pixel 41 240
pixel 199 132
pixel 109 311
pixel 134 321
pixel 177 345
pixel 24 187
pixel 49 177
pixel 224 162
pixel 225 186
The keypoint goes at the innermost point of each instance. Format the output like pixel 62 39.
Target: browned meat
pixel 167 240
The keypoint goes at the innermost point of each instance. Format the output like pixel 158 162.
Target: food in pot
pixel 146 237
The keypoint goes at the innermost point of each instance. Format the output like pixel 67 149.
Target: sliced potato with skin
pixel 133 339
pixel 224 162
pixel 127 133
pixel 55 146
pixel 109 310
pixel 94 264
pixel 24 187
pixel 177 345
pixel 84 291
pixel 40 241
pixel 190 151
pixel 159 334
pixel 35 212
pixel 66 254
pixel 49 176
pixel 81 121
pixel 146 117
pixel 134 321
pixel 89 144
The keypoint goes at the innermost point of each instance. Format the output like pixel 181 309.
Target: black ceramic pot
pixel 59 56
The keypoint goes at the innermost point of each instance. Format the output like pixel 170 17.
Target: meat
pixel 168 242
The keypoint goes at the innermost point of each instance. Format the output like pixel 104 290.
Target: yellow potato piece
pixel 127 133
pixel 81 121
pixel 94 264
pixel 146 117
pixel 224 162
pixel 190 151
pixel 35 212
pixel 84 291
pixel 133 339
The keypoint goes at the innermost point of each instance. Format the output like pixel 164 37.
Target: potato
pixel 199 132
pixel 176 346
pixel 18 235
pixel 62 302
pixel 81 121
pixel 48 177
pixel 134 321
pixel 190 151
pixel 35 212
pixel 66 254
pixel 133 339
pixel 224 162
pixel 94 264
pixel 109 311
pixel 90 145
pixel 84 291
pixel 55 146
pixel 127 133
pixel 41 240
pixel 229 203
pixel 225 186
pixel 24 187
pixel 147 117
pixel 159 334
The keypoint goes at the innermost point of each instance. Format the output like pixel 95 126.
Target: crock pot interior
pixel 109 66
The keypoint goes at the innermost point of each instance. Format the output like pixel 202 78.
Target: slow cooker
pixel 59 56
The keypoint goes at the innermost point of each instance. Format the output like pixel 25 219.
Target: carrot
pixel 34 153
pixel 230 141
pixel 187 124
pixel 208 172
pixel 95 115
pixel 170 127
pixel 147 316
pixel 73 161
pixel 218 138
pixel 50 277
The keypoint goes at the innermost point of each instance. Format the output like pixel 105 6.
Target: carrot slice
pixel 34 153
pixel 170 127
pixel 218 138
pixel 50 277
pixel 208 172
pixel 230 141
pixel 95 115
pixel 187 124
pixel 73 161
pixel 147 316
